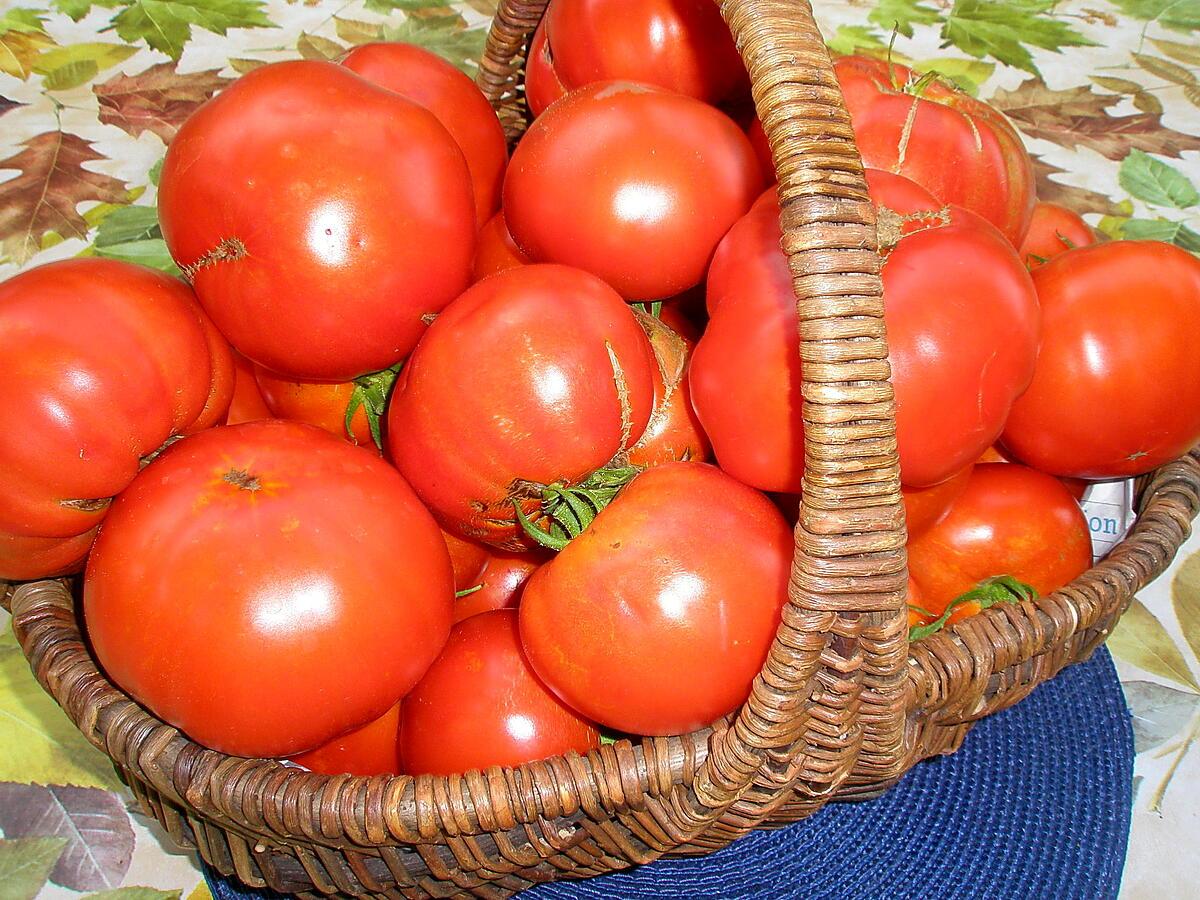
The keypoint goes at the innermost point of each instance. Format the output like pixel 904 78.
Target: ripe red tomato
pixel 1116 391
pixel 564 385
pixel 958 148
pixel 500 582
pixel 425 78
pixel 467 558
pixel 1077 486
pixel 373 749
pixel 683 46
pixel 916 603
pixel 313 623
pixel 762 149
pixel 542 84
pixel 1010 520
pixel 962 334
pixel 497 250
pixel 925 507
pixel 325 404
pixel 631 183
pixel 320 218
pixel 1053 231
pixel 481 705
pixel 674 432
pixel 656 619
pixel 247 404
pixel 104 362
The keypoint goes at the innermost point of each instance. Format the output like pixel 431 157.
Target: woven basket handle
pixel 830 695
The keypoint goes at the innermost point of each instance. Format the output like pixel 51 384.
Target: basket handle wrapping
pixel 830 697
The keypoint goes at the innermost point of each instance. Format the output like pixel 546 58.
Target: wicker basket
pixel 843 706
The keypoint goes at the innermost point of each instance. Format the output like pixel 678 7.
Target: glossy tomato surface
pixel 682 46
pixel 497 250
pixel 427 79
pixel 373 749
pixel 267 560
pixel 480 705
pixel 320 218
pixel 500 582
pixel 631 183
pixel 1053 231
pixel 925 507
pixel 1010 520
pixel 1117 386
pixel 562 384
pixel 542 84
pixel 656 619
pixel 959 148
pixel 104 362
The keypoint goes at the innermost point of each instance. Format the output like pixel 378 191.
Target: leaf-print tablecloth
pixel 1106 92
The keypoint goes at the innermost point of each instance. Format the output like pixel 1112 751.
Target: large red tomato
pixel 467 558
pixel 104 362
pixel 925 507
pixel 1117 386
pixel 674 432
pixel 425 78
pixel 267 587
pixel 247 404
pixel 682 46
pixel 631 183
pixel 1010 520
pixel 957 147
pixel 542 84
pixel 321 219
pixel 497 251
pixel 499 584
pixel 1053 231
pixel 561 384
pixel 962 322
pixel 373 749
pixel 481 705
pixel 656 619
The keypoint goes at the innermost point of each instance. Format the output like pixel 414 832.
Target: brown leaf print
pixel 44 196
pixel 1081 200
pixel 156 100
pixel 1078 117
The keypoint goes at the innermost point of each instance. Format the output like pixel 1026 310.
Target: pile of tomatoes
pixel 442 459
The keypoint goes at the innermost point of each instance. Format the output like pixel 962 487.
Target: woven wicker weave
pixel 843 705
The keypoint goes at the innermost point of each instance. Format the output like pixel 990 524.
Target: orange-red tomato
pixel 468 559
pixel 1010 520
pixel 925 507
pixel 322 219
pixel 916 603
pixel 425 78
pixel 334 592
pixel 373 749
pixel 1053 231
pixel 564 385
pixel 762 149
pixel 656 619
pixel 674 432
pixel 497 251
pixel 682 46
pixel 319 403
pixel 104 362
pixel 481 705
pixel 630 183
pixel 247 404
pixel 500 582
pixel 958 148
pixel 1116 391
pixel 542 84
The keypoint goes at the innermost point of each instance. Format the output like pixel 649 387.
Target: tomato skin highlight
pixel 630 183
pixel 480 705
pixel 543 404
pixel 104 361
pixel 373 749
pixel 656 619
pixel 1010 520
pixel 426 79
pixel 265 202
pixel 915 136
pixel 1053 230
pixel 1116 317
pixel 683 46
pixel 331 619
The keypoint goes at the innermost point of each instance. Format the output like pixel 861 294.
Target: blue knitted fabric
pixel 1036 804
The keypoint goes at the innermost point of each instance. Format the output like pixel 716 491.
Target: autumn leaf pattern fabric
pixel 1105 92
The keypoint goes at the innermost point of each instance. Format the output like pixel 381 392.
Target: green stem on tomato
pixel 988 593
pixel 570 509
pixel 371 392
